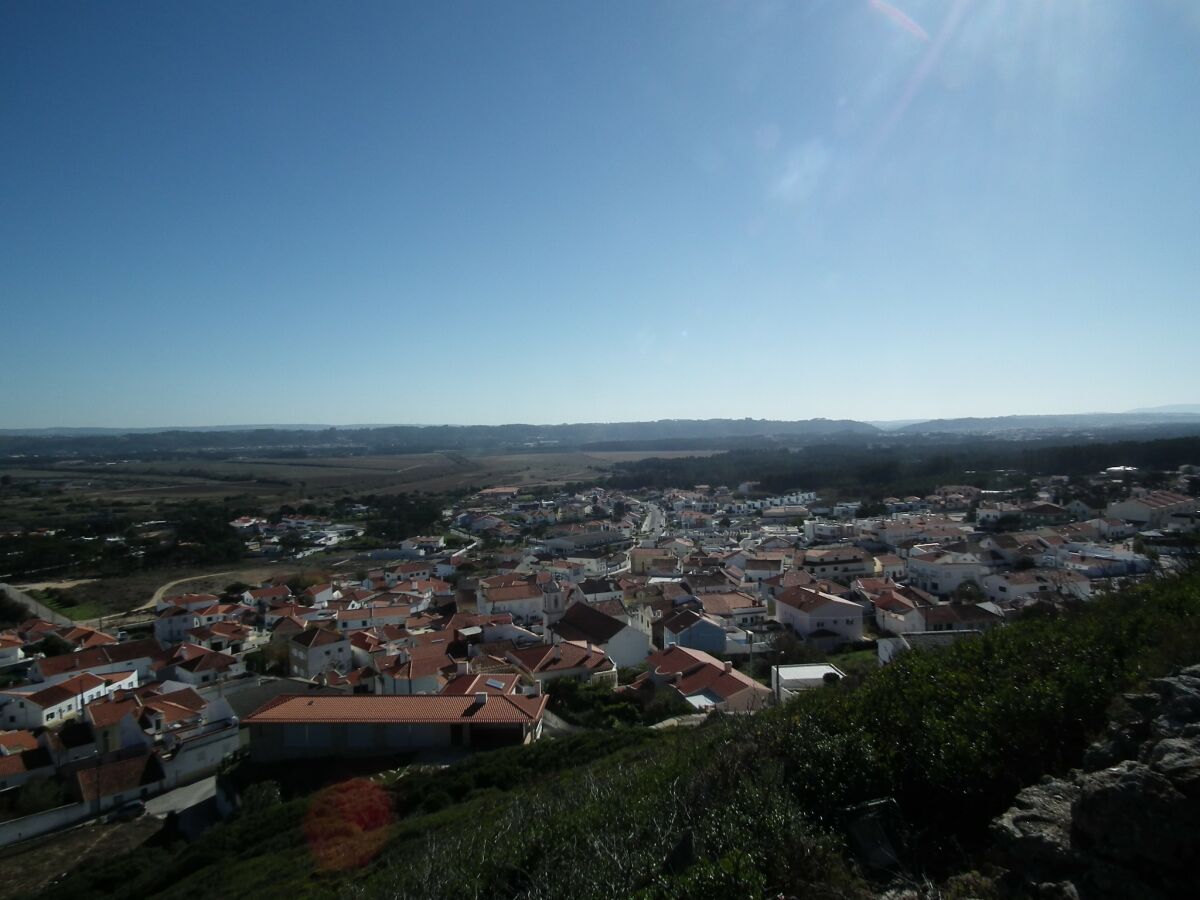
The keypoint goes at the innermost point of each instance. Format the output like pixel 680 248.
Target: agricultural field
pixel 57 493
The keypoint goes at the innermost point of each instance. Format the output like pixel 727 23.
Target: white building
pixel 811 613
pixel 40 705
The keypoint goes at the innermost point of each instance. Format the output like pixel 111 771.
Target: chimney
pixel 463 667
pixel 480 698
pixel 728 666
pixel 557 652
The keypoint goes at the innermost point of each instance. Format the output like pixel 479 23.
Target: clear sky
pixel 485 212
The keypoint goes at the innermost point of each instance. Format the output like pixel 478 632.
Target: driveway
pixel 182 798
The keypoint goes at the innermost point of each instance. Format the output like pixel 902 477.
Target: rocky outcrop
pixel 1128 823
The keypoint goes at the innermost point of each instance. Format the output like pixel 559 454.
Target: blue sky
pixel 545 212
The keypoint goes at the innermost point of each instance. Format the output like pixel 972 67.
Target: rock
pixel 1036 831
pixel 1144 705
pixel 1178 760
pixel 1130 814
pixel 1128 825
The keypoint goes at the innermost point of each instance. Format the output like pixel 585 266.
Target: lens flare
pixel 347 824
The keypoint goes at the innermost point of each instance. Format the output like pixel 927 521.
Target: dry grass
pixel 29 868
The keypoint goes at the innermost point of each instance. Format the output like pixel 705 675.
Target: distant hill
pixel 425 438
pixel 94 432
pixel 1191 408
pixel 1074 422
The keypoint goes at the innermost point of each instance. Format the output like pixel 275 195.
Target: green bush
pixel 743 806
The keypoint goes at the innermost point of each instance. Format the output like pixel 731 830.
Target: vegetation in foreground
pixel 745 807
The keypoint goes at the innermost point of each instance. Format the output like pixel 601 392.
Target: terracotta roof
pixel 418 708
pixel 509 593
pixel 560 657
pixel 807 600
pixel 99 656
pixel 104 713
pixel 118 777
pixel 582 622
pixel 499 683
pixel 15 741
pixel 698 672
pixel 25 761
pixel 317 637
pixel 279 590
pixel 65 690
pixel 726 604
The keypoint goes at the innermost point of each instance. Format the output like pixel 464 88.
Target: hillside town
pixel 692 601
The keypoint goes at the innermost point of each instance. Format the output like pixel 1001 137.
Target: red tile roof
pixel 564 656
pixel 427 709
pixel 15 741
pixel 100 656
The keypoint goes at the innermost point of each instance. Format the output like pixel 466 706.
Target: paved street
pixel 182 798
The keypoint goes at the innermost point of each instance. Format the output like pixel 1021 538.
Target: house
pixel 319 594
pixel 889 565
pixel 1038 514
pixel 736 607
pixel 789 680
pixel 597 590
pixel 897 612
pixel 83 638
pixel 409 672
pixel 703 681
pixel 194 664
pixel 111 784
pixel 583 623
pixel 267 596
pixel 186 601
pixel 222 636
pixel 694 631
pixel 41 705
pixel 942 571
pixel 144 657
pixel 760 569
pixel 315 650
pixel 22 758
pixel 11 649
pixel 565 659
pixel 707 583
pixel 961 617
pixel 311 727
pixel 1010 587
pixel 520 596
pixel 652 561
pixel 465 683
pixel 889 648
pixel 1152 509
pixel 843 563
pixel 820 616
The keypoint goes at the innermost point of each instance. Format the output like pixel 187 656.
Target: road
pixel 182 798
pixel 161 592
pixel 655 521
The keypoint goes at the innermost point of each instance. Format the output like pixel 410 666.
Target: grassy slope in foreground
pixel 745 807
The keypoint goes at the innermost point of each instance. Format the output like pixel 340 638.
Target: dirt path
pixel 162 590
pixel 55 585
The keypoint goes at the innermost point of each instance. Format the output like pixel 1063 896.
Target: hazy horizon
pixel 1164 409
pixel 488 213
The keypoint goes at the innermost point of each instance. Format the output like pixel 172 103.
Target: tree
pixel 53 645
pixel 724 522
pixel 969 592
